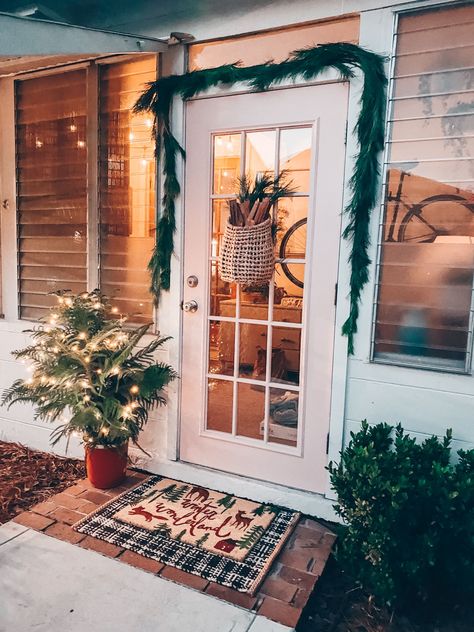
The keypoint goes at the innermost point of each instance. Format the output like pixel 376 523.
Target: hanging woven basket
pixel 247 255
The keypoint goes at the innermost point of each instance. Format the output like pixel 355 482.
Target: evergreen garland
pixel 308 64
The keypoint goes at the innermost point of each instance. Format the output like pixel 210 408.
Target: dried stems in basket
pixel 255 200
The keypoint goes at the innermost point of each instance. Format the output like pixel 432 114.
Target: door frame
pixel 330 372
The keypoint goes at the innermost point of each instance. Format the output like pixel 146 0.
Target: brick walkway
pixel 282 596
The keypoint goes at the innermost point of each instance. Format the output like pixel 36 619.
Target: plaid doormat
pixel 122 522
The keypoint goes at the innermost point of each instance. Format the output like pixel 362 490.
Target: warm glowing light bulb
pixel 134 389
pixel 114 310
pixel 81 144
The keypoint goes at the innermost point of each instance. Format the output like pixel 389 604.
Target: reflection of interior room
pixel 287 295
pixel 127 188
pixel 426 270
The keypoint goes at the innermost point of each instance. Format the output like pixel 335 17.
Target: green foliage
pixel 263 186
pixel 202 539
pixel 88 372
pixel 227 502
pixel 410 516
pixel 175 492
pixel 266 508
pixel 307 63
pixel 249 539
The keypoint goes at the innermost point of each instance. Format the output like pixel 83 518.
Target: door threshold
pixel 308 503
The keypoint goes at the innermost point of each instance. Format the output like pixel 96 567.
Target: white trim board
pixel 28 36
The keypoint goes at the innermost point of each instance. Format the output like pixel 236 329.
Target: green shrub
pixel 409 513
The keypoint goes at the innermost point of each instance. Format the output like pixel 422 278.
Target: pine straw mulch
pixel 338 605
pixel 28 477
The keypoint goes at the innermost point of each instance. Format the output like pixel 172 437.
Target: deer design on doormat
pixel 198 494
pixel 141 511
pixel 241 521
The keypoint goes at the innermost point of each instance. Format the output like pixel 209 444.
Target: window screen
pixel 52 188
pixel 126 188
pixel 423 312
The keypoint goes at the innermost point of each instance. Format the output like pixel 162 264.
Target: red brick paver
pixel 33 521
pixel 281 597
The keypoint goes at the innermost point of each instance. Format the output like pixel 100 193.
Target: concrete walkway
pixel 47 585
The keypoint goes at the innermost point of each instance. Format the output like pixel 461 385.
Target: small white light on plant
pixel 134 389
pixel 99 371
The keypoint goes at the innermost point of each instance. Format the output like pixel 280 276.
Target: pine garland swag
pixel 307 63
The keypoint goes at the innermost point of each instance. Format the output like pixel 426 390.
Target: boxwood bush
pixel 409 515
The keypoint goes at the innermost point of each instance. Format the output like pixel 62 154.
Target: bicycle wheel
pixel 293 246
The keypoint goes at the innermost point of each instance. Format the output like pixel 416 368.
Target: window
pixel 56 121
pixel 51 188
pixel 258 48
pixel 425 275
pixel 126 188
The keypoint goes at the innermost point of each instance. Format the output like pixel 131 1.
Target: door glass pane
pixel 295 156
pixel 221 347
pixel 260 153
pixel 286 350
pixel 248 307
pixel 288 293
pixel 220 215
pixel 254 302
pixel 253 351
pixel 291 227
pixel 219 405
pixel 222 297
pixel 250 410
pixel 283 421
pixel 226 163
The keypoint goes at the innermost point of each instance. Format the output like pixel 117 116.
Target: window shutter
pixel 126 188
pixel 51 157
pixel 424 306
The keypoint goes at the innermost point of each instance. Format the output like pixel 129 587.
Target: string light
pixel 134 389
pixel 114 310
pixel 82 335
pixel 87 398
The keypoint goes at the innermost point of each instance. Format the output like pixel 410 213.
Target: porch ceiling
pixel 28 36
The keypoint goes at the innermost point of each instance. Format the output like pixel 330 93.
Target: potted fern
pixel 88 373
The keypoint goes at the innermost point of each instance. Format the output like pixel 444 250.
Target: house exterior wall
pixel 425 402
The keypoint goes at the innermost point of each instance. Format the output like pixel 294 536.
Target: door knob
pixel 190 306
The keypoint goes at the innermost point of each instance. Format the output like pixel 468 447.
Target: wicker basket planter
pixel 247 255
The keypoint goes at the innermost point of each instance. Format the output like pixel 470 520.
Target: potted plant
pixel 88 373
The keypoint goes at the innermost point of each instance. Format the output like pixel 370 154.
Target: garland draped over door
pixel 306 64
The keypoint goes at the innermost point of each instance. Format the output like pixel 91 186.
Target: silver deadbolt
pixel 192 281
pixel 190 306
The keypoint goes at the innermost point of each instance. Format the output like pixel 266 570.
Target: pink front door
pixel 257 362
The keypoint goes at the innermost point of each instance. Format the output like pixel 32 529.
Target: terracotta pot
pixel 106 467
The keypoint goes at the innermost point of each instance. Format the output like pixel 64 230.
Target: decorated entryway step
pixel 281 596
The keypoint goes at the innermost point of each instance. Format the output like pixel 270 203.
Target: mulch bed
pixel 28 477
pixel 338 605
